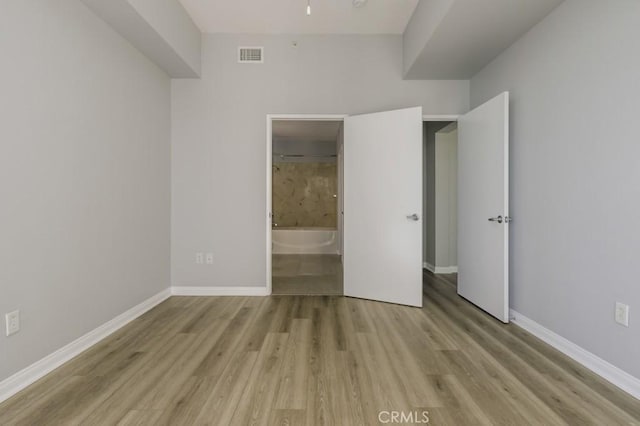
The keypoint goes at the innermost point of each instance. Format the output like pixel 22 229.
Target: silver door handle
pixel 496 219
pixel 414 217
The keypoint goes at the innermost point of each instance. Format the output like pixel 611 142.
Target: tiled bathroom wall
pixel 305 195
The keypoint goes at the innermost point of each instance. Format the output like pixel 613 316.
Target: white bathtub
pixel 304 241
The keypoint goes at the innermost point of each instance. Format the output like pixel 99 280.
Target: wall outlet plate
pixel 12 321
pixel 622 314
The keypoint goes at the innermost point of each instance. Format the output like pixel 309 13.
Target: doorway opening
pixel 440 227
pixel 383 197
pixel 378 226
pixel 440 200
pixel 305 197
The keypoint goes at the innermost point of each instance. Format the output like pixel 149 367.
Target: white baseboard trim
pixel 440 269
pixel 37 370
pixel 609 372
pixel 219 291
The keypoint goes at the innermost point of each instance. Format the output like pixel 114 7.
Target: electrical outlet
pixel 12 320
pixel 209 258
pixel 622 314
pixel 199 258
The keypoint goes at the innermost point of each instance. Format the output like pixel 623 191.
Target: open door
pixel 483 207
pixel 383 206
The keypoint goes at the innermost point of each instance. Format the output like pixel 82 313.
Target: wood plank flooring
pixel 296 360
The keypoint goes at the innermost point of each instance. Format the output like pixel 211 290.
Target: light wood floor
pixel 320 360
pixel 307 274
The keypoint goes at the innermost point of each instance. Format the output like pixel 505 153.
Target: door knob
pixel 414 217
pixel 496 219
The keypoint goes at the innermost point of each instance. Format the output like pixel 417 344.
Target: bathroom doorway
pixel 306 205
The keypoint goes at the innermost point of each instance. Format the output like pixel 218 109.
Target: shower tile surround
pixel 304 194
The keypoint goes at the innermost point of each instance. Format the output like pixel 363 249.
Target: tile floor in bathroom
pixel 307 274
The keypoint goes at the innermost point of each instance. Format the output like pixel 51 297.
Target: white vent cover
pixel 251 55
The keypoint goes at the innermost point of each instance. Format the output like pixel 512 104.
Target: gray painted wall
pixel 219 130
pixel 575 156
pixel 423 23
pixel 454 39
pixel 446 197
pixel 84 176
pixel 430 129
pixel 161 29
pixel 173 23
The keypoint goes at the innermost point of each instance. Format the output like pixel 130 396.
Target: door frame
pixel 269 163
pixel 268 211
pixel 426 118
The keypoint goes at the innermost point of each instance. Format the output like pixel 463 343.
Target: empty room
pixel 319 212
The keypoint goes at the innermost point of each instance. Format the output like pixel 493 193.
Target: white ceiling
pixel 306 131
pixel 289 16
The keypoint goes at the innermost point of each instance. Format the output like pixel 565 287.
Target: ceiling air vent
pixel 251 55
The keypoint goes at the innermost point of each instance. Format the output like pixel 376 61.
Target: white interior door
pixel 483 207
pixel 383 206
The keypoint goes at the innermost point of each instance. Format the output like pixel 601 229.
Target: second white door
pixel 483 207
